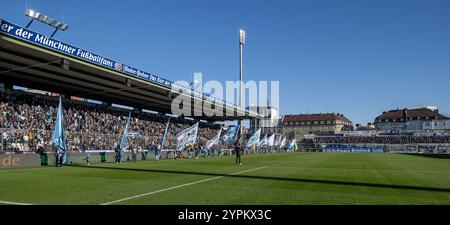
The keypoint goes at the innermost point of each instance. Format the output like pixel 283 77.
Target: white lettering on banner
pixel 54 44
pixel 7 28
pixel 153 78
pixel 23 33
pixel 142 74
pixel 129 70
pixel 94 58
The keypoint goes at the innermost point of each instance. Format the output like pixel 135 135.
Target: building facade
pixel 424 118
pixel 297 126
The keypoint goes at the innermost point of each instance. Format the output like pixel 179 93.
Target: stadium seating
pixel 27 122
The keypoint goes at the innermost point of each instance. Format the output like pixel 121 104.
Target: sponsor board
pixel 19 160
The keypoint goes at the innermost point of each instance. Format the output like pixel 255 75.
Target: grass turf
pixel 292 178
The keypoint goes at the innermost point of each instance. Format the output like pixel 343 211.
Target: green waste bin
pixel 103 157
pixel 44 159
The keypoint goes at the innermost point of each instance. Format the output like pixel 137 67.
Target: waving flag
pixel 214 141
pixel 188 136
pixel 263 142
pixel 271 140
pixel 58 134
pixel 278 141
pixel 254 139
pixel 123 141
pixel 231 134
pixel 163 139
pixel 293 144
pixel 283 143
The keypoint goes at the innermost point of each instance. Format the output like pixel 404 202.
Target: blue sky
pixel 356 57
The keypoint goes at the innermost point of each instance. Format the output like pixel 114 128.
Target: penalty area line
pixel 182 185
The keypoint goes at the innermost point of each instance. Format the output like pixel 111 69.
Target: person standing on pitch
pixel 117 156
pixel 133 154
pixel 238 149
pixel 59 158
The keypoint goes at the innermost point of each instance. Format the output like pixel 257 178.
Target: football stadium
pixel 79 128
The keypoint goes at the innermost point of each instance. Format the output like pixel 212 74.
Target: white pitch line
pixel 182 185
pixel 13 203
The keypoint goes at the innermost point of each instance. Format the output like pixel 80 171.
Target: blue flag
pixel 58 134
pixel 254 139
pixel 123 141
pixel 163 139
pixel 264 142
pixel 231 134
pixel 293 144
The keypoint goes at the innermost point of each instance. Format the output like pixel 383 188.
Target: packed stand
pixel 27 122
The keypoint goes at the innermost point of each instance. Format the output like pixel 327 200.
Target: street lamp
pixel 45 19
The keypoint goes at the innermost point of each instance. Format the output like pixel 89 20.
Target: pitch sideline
pixel 13 203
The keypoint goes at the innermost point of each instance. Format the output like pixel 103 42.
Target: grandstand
pixel 27 121
pixel 31 62
pixel 429 144
pixel 47 64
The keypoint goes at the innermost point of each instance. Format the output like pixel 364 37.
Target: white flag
pixel 283 143
pixel 214 141
pixel 263 142
pixel 188 136
pixel 278 141
pixel 271 140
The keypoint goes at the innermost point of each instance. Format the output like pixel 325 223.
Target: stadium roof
pixel 34 60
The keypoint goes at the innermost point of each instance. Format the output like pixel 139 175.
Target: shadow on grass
pixel 301 180
pixel 432 156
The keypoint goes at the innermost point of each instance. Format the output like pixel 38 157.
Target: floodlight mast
pixel 45 19
pixel 241 46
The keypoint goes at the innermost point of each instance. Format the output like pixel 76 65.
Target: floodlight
pixel 242 36
pixel 45 19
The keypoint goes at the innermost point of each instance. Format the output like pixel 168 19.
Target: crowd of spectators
pixel 27 121
pixel 385 139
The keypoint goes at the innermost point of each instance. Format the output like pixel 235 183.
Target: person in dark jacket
pixel 239 150
pixel 118 154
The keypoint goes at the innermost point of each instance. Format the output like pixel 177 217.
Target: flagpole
pixel 163 140
pixel 58 134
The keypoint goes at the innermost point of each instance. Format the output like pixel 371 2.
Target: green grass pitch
pixel 290 178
